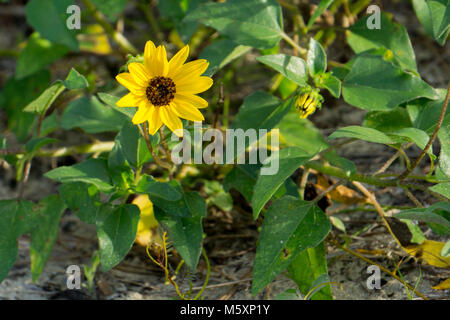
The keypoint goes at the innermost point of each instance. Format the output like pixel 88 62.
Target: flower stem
pixel 430 142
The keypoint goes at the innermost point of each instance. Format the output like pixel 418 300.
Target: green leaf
pixel 220 53
pixel 434 15
pixel 48 17
pixel 287 88
pixel 92 116
pixel 83 199
pixel 91 171
pixel 446 249
pixel 289 159
pixel 110 8
pixel 444 156
pixel 49 212
pixel 362 133
pixel 45 100
pixel 260 110
pixel 376 84
pixel 317 58
pixel 387 121
pixel 50 124
pixel 15 220
pixel 442 188
pixel 111 101
pixel 217 195
pixel 256 23
pixel 161 190
pixel 307 266
pixel 419 137
pixel 290 226
pixel 36 143
pixel 293 68
pixel 424 113
pixel 331 83
pixel 175 10
pixel 131 146
pixel 27 63
pixel 75 80
pixel 323 5
pixel 301 133
pixel 432 215
pixel 242 178
pixel 186 233
pixel 392 36
pixel 116 231
pixel 345 164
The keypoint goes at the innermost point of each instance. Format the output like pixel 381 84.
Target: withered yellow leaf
pixel 147 233
pixel 341 193
pixel 444 285
pixel 430 252
pixel 94 39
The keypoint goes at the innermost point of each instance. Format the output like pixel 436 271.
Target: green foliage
pixel 293 68
pixel 47 52
pixel 48 17
pixel 222 52
pixel 83 199
pixel 255 23
pixel 289 159
pixel 48 212
pixel 290 226
pixel 376 84
pixel 434 15
pixel 306 267
pixel 362 133
pixel 116 231
pixel 91 171
pixel 323 5
pixel 15 219
pixel 185 232
pixel 110 8
pixel 392 36
pixel 436 216
pixel 90 115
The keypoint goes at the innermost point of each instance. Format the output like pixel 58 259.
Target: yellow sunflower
pixel 165 91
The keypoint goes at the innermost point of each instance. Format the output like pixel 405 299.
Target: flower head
pixel 165 91
pixel 308 101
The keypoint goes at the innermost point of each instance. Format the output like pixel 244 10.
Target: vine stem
pixel 430 142
pixel 353 253
pixel 119 38
pixel 377 206
pixel 303 52
pixel 158 161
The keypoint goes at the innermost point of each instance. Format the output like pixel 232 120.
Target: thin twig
pixel 158 161
pixel 327 190
pixel 377 206
pixel 413 198
pixel 353 253
pixel 220 102
pixel 388 163
pixel 430 142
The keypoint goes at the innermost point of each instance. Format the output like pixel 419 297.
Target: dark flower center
pixel 160 91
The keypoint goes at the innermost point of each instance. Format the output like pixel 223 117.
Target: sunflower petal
pixel 171 120
pixel 129 100
pixel 160 65
pixel 126 79
pixel 191 70
pixel 139 73
pixel 196 85
pixel 186 111
pixel 177 60
pixel 149 54
pixel 143 112
pixel 154 121
pixel 194 100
